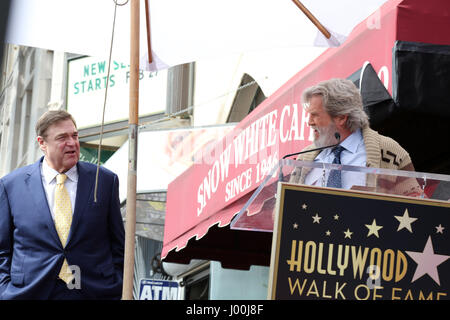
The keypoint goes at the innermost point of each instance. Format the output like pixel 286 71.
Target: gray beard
pixel 326 135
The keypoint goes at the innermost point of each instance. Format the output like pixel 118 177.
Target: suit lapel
pixel 86 179
pixel 33 181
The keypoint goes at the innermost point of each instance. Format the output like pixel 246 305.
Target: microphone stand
pixel 338 138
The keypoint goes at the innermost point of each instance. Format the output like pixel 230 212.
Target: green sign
pixel 91 155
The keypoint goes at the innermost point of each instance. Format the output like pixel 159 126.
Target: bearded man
pixel 335 106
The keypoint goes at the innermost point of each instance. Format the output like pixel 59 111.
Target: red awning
pixel 203 200
pixel 212 239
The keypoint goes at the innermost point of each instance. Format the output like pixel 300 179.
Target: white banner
pixel 182 31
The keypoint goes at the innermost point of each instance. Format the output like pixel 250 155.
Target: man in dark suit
pixel 42 257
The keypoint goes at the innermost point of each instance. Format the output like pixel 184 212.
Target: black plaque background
pixel 355 210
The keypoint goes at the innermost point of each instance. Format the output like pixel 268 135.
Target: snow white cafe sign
pixel 235 165
pixel 345 245
pixel 87 81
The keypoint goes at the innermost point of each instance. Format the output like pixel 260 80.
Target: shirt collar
pixel 50 173
pixel 351 144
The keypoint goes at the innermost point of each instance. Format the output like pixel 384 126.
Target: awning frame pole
pixel 313 19
pixel 130 220
pixel 147 23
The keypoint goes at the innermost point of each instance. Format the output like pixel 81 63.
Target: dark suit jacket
pixel 31 253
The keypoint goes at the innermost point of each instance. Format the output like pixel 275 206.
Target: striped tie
pixel 63 220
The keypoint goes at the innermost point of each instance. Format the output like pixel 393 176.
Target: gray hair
pixel 340 97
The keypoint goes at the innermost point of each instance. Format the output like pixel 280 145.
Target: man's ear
pixel 341 121
pixel 41 142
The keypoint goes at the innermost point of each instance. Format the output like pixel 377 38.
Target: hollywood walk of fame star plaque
pixel 356 245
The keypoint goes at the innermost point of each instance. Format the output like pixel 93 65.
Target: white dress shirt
pixel 49 182
pixel 354 154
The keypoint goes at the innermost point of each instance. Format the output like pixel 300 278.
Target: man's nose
pixel 71 141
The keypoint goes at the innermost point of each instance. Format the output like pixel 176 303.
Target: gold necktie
pixel 63 220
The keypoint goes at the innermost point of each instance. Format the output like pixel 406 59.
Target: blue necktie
pixel 334 179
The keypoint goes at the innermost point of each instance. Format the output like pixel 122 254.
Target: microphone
pixel 336 135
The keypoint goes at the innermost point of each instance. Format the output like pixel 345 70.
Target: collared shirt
pixel 49 182
pixel 354 154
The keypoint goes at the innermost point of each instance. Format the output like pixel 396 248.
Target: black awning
pixel 421 78
pixel 418 114
pixel 377 101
